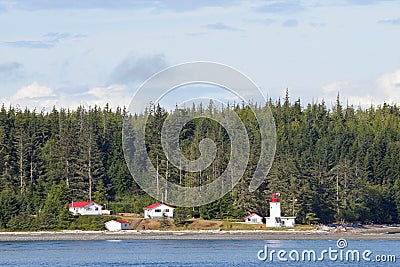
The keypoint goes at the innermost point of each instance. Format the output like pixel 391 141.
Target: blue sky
pixel 69 53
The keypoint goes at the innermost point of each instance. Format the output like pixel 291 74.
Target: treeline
pixel 339 164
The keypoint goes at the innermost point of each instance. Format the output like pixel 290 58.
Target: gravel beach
pixel 369 234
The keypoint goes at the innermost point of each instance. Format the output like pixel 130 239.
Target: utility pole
pixel 180 171
pixel 337 194
pixel 157 182
pixel 166 183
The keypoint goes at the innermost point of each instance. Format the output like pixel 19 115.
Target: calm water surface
pixel 183 253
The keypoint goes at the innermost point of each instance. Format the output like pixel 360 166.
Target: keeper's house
pixel 253 218
pixel 158 210
pixel 85 208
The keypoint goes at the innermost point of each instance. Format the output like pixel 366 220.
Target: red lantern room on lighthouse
pixel 275 197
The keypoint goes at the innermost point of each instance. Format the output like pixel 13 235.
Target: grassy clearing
pixel 199 224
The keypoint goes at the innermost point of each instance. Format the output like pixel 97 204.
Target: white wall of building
pixel 116 226
pixel 254 218
pixel 273 222
pixel 288 221
pixel 274 209
pixel 280 221
pixel 159 211
pixel 90 209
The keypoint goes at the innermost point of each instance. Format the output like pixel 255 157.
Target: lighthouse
pixel 275 219
pixel 275 206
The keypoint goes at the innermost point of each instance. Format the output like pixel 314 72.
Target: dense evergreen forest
pixel 340 163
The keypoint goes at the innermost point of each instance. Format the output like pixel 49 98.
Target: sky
pixel 71 53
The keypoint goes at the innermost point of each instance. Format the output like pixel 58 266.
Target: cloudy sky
pixel 68 53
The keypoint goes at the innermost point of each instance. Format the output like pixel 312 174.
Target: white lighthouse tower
pixel 275 219
pixel 275 206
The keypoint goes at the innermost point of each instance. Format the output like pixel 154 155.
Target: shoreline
pixel 78 235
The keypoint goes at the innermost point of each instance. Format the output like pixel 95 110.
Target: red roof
pixel 121 221
pixel 155 205
pixel 79 204
pixel 251 214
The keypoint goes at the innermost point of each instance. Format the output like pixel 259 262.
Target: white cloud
pixel 33 91
pixel 115 95
pixel 384 89
pixel 32 96
pixel 389 84
pixel 351 92
pixel 36 96
pixel 334 88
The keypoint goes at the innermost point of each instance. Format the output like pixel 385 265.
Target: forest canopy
pixel 340 163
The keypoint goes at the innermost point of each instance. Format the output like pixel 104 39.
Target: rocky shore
pixel 371 233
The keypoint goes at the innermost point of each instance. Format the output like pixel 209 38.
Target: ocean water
pixel 196 253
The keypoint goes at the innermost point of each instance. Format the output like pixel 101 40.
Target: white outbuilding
pixel 158 210
pixel 85 208
pixel 253 218
pixel 117 225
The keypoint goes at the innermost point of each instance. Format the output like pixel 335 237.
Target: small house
pixel 158 210
pixel 117 225
pixel 85 208
pixel 253 218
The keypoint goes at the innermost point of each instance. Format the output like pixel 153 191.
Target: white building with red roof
pixel 275 218
pixel 117 225
pixel 253 218
pixel 158 210
pixel 85 208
